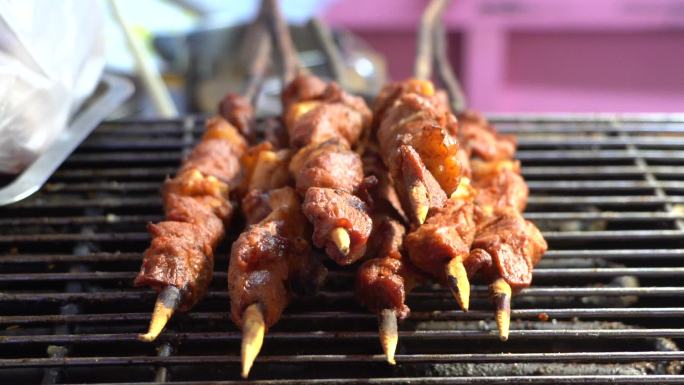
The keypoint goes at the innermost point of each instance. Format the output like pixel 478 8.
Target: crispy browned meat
pixel 323 123
pixel 381 194
pixel 483 140
pixel 415 176
pixel 258 271
pixel 328 209
pixel 413 129
pixel 218 153
pixel 391 92
pixel 303 88
pixel 272 257
pixel 313 117
pixel 197 208
pixel 387 237
pixel 275 133
pixel 382 283
pixel 446 234
pixel 330 164
pixel 506 246
pixel 238 111
pixel 181 255
pixel 499 186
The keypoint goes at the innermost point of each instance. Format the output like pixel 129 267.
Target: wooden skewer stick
pixel 340 237
pixel 444 70
pixel 501 294
pixel 423 66
pixel 282 40
pixel 258 63
pixel 167 302
pixel 253 330
pixel 457 280
pixel 389 335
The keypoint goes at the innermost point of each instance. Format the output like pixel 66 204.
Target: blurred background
pixel 511 55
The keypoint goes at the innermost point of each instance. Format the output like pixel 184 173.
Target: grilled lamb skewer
pixel 180 260
pixel 383 281
pixel 323 123
pixel 418 142
pixel 506 247
pixel 268 263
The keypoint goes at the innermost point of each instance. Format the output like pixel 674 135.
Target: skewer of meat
pixel 180 260
pixel 272 258
pixel 428 167
pixel 323 126
pixel 269 262
pixel 415 132
pixel 197 204
pixel 383 281
pixel 324 123
pixel 506 247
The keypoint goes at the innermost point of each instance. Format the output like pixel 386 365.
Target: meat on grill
pixel 329 164
pixel 328 209
pixel 323 124
pixel 482 139
pixel 314 114
pixel 446 234
pixel 499 185
pixel 383 281
pixel 197 207
pixel 272 256
pixel 506 246
pixel 417 145
pixel 238 111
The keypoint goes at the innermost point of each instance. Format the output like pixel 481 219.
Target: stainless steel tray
pixel 110 93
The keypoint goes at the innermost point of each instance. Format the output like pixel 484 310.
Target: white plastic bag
pixel 51 58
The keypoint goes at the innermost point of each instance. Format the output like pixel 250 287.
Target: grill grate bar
pixel 551 254
pixel 626 312
pixel 549 235
pixel 524 155
pixel 404 358
pixel 479 380
pixel 220 275
pixel 477 291
pixel 558 216
pixel 356 335
pixel 628 200
pixel 153 187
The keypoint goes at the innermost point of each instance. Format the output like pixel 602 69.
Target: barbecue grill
pixel 608 192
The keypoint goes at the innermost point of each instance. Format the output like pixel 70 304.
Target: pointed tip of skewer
pixel 501 293
pixel 389 335
pixel 167 302
pixel 457 280
pixel 418 196
pixel 253 329
pixel 340 237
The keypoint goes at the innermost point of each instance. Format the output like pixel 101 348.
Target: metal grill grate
pixel 605 306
